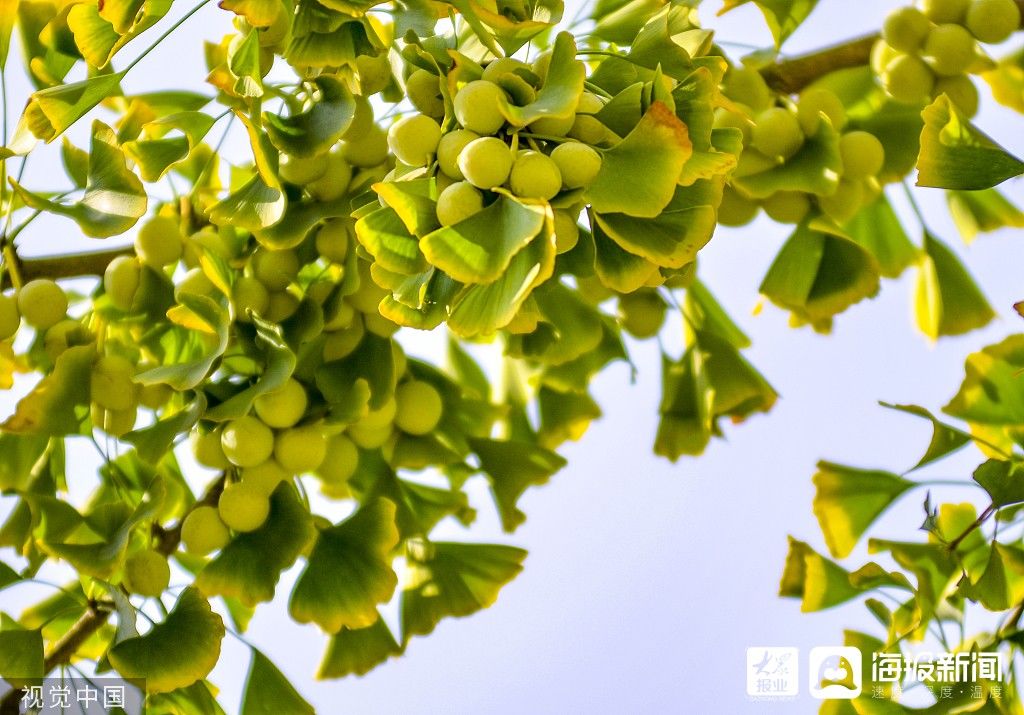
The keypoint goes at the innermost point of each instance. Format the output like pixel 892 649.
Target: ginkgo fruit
pixel 284 406
pixel 477 107
pixel 586 127
pixel 340 462
pixel 845 202
pixel 159 242
pixel 906 28
pixel 567 231
pixel 248 295
pixel 147 573
pixel 247 441
pixel 908 79
pixel 787 206
pixel 993 21
pixel 418 407
pixel 777 133
pixel 369 150
pixel 458 202
pixel 486 162
pixel 816 101
pixel 578 164
pixel 961 92
pixel 949 49
pixel 275 269
pixel 42 303
pixel 334 238
pixel 862 154
pixel 335 180
pixel 300 450
pixel 302 170
pixel 424 91
pixel 535 176
pixel 265 476
pixel 207 449
pixel 203 532
pixel 642 313
pixel 945 10
pixel 449 148
pixel 243 507
pixel 121 281
pixel 414 139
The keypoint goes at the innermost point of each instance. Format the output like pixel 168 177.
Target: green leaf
pixel 188 375
pixel 783 16
pixel 957 155
pixel 8 16
pixel 153 442
pixel 453 579
pixel 877 229
pixel 415 203
pixel 51 111
pixel 114 197
pixel 1001 586
pixel 319 127
pixel 196 699
pixel 674 237
pixel 991 396
pixel 177 652
pixel 483 309
pixel 818 275
pixel 349 571
pixel 1007 81
pixel 737 387
pixel 7 575
pixel 638 175
pixel 249 567
pixel 945 438
pixel 480 248
pixel 1003 480
pixel 511 468
pixel 55 405
pixel 384 235
pixel 21 655
pixel 819 582
pixel 19 454
pixel 254 206
pixel 933 566
pixel 268 692
pixel 358 651
pixel 706 314
pixel 982 211
pixel 570 327
pixel 158 153
pixel 847 501
pixel 686 407
pixel 278 367
pixel 562 86
pixel 618 269
pixel 947 301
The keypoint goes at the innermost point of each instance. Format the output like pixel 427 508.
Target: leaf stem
pixel 982 518
pixel 164 36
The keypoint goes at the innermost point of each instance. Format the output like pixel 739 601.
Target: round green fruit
pixel 302 170
pixel 283 407
pixel 844 204
pixel 736 210
pixel 340 462
pixel 111 385
pixel 207 450
pixel 577 163
pixel 458 202
pixel 275 269
pixel 10 319
pixel 42 303
pixel 642 313
pixel 817 101
pixel 787 206
pixel 414 139
pixel 535 176
pixel 949 49
pixel 243 507
pixel 424 91
pixel 993 21
pixel 961 92
pixel 419 407
pixel 147 573
pixel 863 155
pixel 121 281
pixel 334 182
pixel 369 150
pixel 248 295
pixel 300 450
pixel 203 532
pixel 908 79
pixel 334 238
pixel 266 476
pixel 567 231
pixel 478 107
pixel 159 242
pixel 906 28
pixel 449 148
pixel 945 10
pixel 777 133
pixel 247 441
pixel 486 162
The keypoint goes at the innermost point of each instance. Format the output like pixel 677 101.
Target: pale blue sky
pixel 647 581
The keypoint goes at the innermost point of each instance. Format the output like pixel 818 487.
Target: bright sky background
pixel 647 581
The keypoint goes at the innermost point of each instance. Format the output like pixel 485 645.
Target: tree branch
pixel 167 540
pixel 72 265
pixel 792 75
pixel 64 649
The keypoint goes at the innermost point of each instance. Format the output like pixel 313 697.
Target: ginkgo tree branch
pixel 70 265
pixel 793 74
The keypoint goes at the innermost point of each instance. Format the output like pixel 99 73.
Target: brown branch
pixel 64 649
pixel 792 75
pixel 982 518
pixel 72 265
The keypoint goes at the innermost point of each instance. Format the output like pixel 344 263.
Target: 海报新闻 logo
pixel 835 673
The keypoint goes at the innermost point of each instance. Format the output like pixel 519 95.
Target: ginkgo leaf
pixel 945 438
pixel 562 86
pixel 52 110
pixel 358 651
pixel 819 582
pixel 1003 480
pixel 847 501
pixel 278 367
pixel 21 654
pixel 686 406
pixel 187 375
pixel 249 567
pixel 388 239
pixel 114 197
pixel 982 211
pixel 158 153
pixel 877 229
pixel 947 300
pixel 638 175
pixel 957 155
pixel 814 169
pixel 511 468
pixel 452 579
pixel 196 699
pixel 53 405
pixel 268 692
pixel 783 16
pixel 1001 586
pixel 317 129
pixel 992 392
pixel 176 652
pixel 349 571
pixel 480 248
